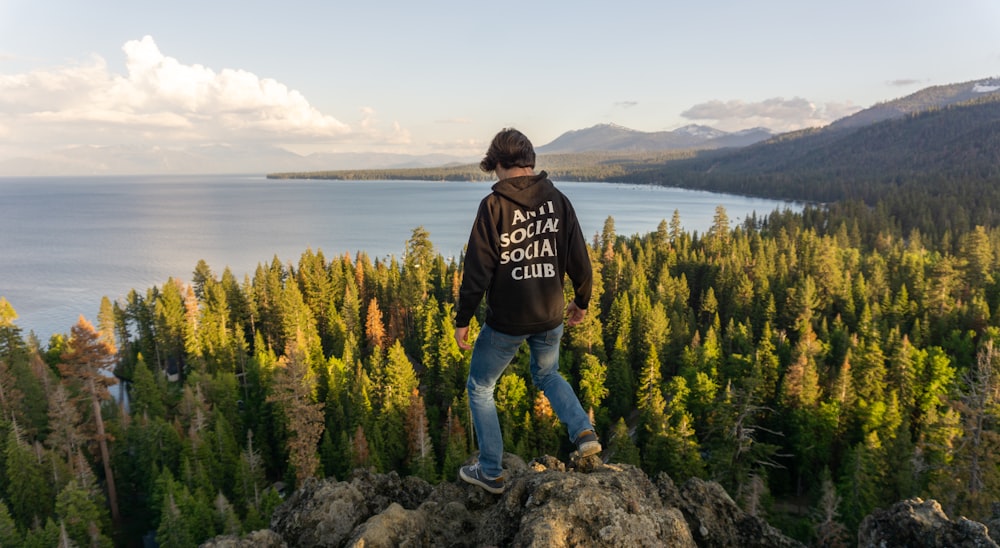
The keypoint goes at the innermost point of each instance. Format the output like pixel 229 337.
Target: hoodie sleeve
pixel 481 256
pixel 578 265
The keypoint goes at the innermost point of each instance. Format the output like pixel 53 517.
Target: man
pixel 525 238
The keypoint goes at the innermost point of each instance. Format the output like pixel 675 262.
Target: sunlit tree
pixel 88 364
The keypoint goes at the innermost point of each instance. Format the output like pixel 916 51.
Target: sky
pixel 445 76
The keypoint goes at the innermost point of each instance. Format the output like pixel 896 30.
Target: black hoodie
pixel 525 239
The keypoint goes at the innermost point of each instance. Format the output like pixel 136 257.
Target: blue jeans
pixel 491 355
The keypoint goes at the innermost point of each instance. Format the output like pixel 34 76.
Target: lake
pixel 67 241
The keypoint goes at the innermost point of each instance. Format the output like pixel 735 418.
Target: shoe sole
pixel 588 449
pixel 479 483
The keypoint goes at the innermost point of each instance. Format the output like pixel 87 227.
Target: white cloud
pixel 904 82
pixel 778 114
pixel 159 100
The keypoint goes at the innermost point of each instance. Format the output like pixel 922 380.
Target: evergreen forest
pixel 819 365
pixel 815 375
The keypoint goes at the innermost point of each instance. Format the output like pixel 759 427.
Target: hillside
pixel 961 141
pixel 933 97
pixel 936 172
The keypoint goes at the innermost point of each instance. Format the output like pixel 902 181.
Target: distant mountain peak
pixel 611 137
pixel 607 126
pixel 699 130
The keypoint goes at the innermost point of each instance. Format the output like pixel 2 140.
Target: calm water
pixel 65 242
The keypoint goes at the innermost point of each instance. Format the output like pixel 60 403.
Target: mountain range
pixel 250 159
pixel 136 159
pixel 937 135
pixel 755 144
pixel 615 138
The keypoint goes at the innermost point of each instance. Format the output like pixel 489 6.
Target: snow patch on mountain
pixel 696 130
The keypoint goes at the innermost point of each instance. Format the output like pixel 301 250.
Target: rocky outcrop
pixel 545 505
pixel 917 523
pixel 715 519
pixel 548 504
pixel 993 523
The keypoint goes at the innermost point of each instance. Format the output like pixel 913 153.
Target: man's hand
pixel 462 337
pixel 574 314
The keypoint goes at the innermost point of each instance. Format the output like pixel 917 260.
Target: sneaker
pixel 587 444
pixel 474 474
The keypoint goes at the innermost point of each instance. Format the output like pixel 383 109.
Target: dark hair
pixel 510 148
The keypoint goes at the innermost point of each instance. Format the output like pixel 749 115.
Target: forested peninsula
pixel 818 365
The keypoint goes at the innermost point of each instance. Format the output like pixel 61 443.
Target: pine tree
pixel 215 344
pixel 64 422
pixel 593 375
pixel 249 483
pixel 226 520
pixel 43 536
pixel 829 531
pixel 621 448
pixel 317 288
pixel 79 508
pixel 620 383
pixel 359 404
pixel 718 236
pixel 421 450
pixel 860 476
pixel 27 489
pixel 974 472
pixel 800 386
pixel 546 426
pixel 10 396
pixel 293 391
pixel 652 406
pixel 455 442
pixel 89 362
pixel 619 322
pixel 374 327
pixel 9 535
pixel 418 263
pixel 512 404
pixel 674 448
pixel 106 324
pixel 11 344
pixel 361 456
pixel 147 392
pixel 399 380
pixel 173 531
pixel 452 363
pixel 173 329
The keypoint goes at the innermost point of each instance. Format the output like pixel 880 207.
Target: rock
pixel 546 504
pixel 993 523
pixel 428 525
pixel 612 506
pixel 257 539
pixel 715 519
pixel 326 513
pixel 919 523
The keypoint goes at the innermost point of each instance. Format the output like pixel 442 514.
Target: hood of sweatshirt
pixel 529 191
